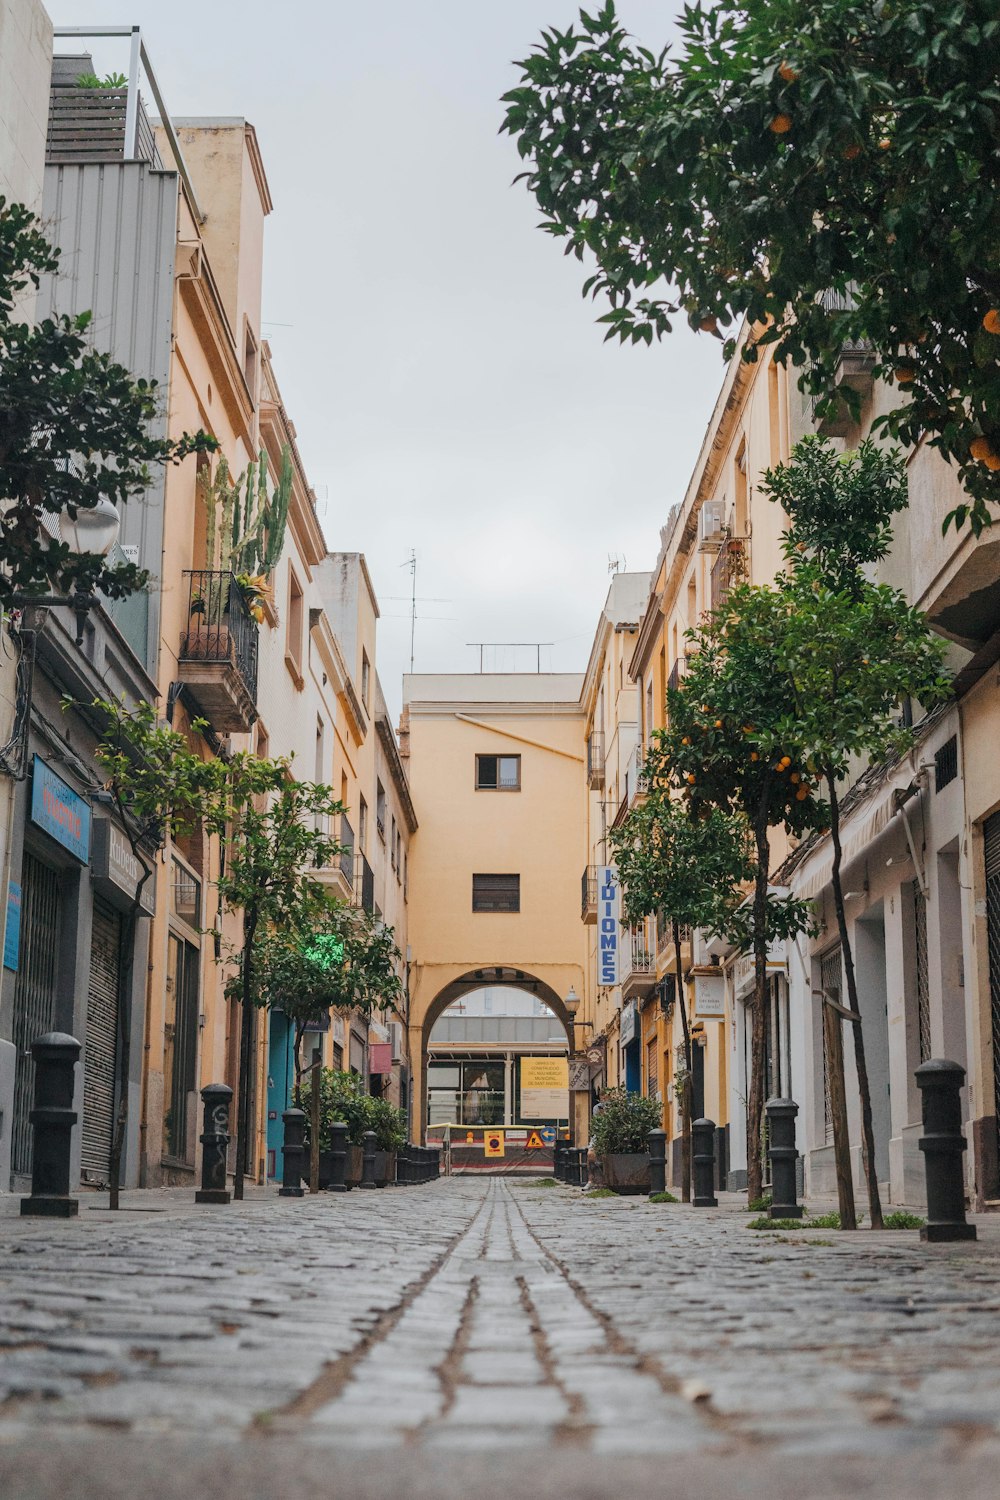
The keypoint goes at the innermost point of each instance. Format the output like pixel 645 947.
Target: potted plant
pixel 342 1099
pixel 389 1125
pixel 619 1131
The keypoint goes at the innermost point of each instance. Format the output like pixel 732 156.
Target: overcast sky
pixel 449 386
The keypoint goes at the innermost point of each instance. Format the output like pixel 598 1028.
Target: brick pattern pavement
pixel 465 1316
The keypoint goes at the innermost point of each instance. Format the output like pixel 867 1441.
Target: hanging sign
pixel 12 935
pixel 710 996
pixel 57 809
pixel 608 913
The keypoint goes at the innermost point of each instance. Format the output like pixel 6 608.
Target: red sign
pixel 380 1057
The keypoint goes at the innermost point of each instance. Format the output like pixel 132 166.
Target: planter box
pixel 626 1173
pixel 355 1159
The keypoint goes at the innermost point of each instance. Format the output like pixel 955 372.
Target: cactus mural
pixel 245 524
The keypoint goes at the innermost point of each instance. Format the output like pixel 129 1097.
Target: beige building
pixel 496 768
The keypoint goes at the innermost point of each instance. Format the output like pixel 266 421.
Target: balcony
pixel 364 884
pixel 854 369
pixel 595 760
pixel 636 776
pixel 588 896
pixel 339 876
pixel 731 566
pixel 99 124
pixel 638 976
pixel 218 652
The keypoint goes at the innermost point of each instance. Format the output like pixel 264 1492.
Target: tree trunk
pixel 860 1061
pixel 126 958
pixel 833 1042
pixel 686 1091
pixel 243 1123
pixel 758 1050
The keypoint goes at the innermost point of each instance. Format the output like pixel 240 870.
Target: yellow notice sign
pixel 493 1142
pixel 535 1142
pixel 544 1073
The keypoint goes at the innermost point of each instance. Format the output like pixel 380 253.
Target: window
pixel 366 674
pixel 498 773
pixel 652 1080
pixel 250 364
pixel 399 858
pixel 392 844
pixel 496 893
pixel 293 640
pixel 946 764
pixel 380 810
pixel 363 825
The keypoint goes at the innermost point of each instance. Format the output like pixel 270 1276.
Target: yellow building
pixel 496 768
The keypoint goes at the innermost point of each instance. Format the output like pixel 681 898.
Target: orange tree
pixel 851 651
pixel 722 754
pixel 688 870
pixel 826 169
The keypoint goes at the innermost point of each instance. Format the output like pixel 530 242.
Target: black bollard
pixel 216 1098
pixel 292 1154
pixel 781 1149
pixel 557 1161
pixel 403 1164
pixel 942 1143
pixel 657 1142
pixel 368 1160
pixel 53 1118
pixel 436 1164
pixel 703 1159
pixel 338 1158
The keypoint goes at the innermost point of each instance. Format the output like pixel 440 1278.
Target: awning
pixel 858 832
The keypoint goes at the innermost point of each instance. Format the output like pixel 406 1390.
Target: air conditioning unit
pixel 712 521
pixel 396 1037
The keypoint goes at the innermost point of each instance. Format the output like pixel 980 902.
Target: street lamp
pixel 572 1004
pixel 94 528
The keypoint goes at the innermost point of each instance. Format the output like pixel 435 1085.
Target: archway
pixel 427 1008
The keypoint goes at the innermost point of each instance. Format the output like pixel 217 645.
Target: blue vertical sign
pixel 12 934
pixel 608 904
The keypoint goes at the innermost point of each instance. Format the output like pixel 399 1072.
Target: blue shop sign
pixel 57 809
pixel 12 934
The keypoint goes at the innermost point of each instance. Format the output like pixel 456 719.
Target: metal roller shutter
pixel 34 992
pixel 991 850
pixel 101 1044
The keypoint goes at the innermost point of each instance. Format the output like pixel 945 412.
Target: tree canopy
pixel 825 169
pixel 74 430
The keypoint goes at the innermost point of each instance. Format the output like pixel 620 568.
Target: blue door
pixel 280 1082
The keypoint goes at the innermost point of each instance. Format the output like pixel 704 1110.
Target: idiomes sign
pixel 608 904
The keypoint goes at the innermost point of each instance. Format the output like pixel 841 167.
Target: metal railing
pixel 588 892
pixel 731 566
pixel 366 884
pixel 636 776
pixel 595 759
pixel 220 625
pixel 636 957
pixel 347 850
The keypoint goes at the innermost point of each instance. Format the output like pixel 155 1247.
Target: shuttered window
pixel 496 893
pixel 991 850
pixel 34 993
pixel 101 1049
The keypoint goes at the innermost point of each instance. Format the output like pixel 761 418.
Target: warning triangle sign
pixel 535 1142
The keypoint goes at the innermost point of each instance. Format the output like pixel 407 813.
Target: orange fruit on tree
pixel 718 723
pixel 981 448
pixel 904 375
pixel 795 776
pixel 781 124
pixel 710 324
pixel 690 777
pixel 885 144
pixel 686 740
pixel 754 755
pixel 801 794
pixel 788 73
pixel 991 322
pixel 850 153
pixel 993 462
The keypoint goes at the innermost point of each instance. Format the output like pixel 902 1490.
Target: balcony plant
pixel 619 1132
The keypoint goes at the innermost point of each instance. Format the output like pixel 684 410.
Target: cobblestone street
pixel 325 1345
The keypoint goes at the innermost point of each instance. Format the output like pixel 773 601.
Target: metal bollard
pixel 657 1143
pixel 215 1138
pixel 557 1160
pixel 403 1164
pixel 942 1143
pixel 368 1160
pixel 580 1166
pixel 435 1164
pixel 338 1158
pixel 703 1158
pixel 781 1149
pixel 292 1153
pixel 53 1118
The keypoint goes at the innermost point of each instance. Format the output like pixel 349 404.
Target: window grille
pixel 946 763
pixel 923 984
pixel 830 982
